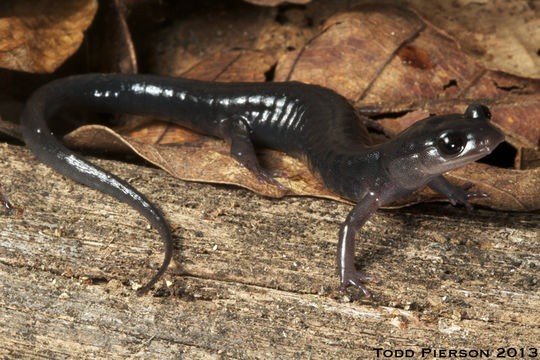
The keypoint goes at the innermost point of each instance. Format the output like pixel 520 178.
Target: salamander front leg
pixel 236 130
pixel 456 194
pixel 348 273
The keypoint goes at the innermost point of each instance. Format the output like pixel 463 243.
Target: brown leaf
pixel 189 41
pixel 508 189
pixel 351 51
pixel 528 159
pixel 234 65
pixel 38 36
pixel 393 126
pixel 520 121
pixel 110 43
pixel 501 36
pixel 382 55
pixel 200 158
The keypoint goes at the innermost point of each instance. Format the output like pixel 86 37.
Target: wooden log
pixel 253 277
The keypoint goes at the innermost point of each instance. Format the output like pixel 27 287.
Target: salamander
pixel 310 122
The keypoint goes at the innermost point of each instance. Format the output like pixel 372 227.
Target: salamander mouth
pixel 479 153
pixel 486 149
pixel 490 142
pixel 498 137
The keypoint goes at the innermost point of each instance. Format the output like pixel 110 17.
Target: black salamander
pixel 310 122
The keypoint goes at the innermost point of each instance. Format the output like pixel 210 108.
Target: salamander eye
pixel 486 111
pixel 451 143
pixel 477 111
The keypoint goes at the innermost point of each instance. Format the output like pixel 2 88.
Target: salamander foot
pixel 263 175
pixel 356 279
pixel 460 195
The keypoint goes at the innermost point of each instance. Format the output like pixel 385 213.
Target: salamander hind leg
pixel 236 130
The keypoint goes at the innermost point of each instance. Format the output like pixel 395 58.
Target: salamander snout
pixel 491 139
pixel 488 136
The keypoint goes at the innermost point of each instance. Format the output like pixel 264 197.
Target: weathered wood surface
pixel 253 277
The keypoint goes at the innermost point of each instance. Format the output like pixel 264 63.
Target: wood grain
pixel 253 277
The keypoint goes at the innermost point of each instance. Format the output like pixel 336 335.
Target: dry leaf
pixel 38 36
pixel 200 158
pixel 192 40
pixel 501 36
pixel 508 189
pixel 528 159
pixel 110 44
pixel 234 65
pixel 349 54
pixel 386 57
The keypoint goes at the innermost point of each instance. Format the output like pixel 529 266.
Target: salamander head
pixel 438 144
